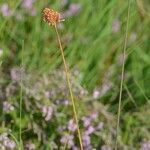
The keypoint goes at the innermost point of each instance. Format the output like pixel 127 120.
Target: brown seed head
pixel 50 16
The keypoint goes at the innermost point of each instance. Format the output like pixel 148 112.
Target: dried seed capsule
pixel 51 17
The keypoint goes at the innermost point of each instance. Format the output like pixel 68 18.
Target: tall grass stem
pixel 122 76
pixel 20 103
pixel 70 89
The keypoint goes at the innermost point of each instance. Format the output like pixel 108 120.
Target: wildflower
pixel 4 9
pixel 3 136
pixel 51 17
pixel 7 107
pixel 145 145
pixel 86 121
pixel 86 140
pixel 30 146
pixel 28 4
pixel 89 130
pixel 68 139
pixel 96 94
pixel 47 94
pixel 66 102
pixel 73 10
pixel 47 112
pixel 9 144
pixel 116 26
pixel 6 143
pixel 75 148
pixel 100 126
pixel 106 147
pixel 17 74
pixel 61 128
pixel 72 125
pixel 94 115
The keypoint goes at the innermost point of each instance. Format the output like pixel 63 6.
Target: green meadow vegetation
pixel 36 109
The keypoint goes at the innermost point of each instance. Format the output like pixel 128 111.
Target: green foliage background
pixel 91 47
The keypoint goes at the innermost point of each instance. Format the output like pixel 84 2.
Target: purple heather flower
pixel 96 94
pixel 7 107
pixel 66 102
pixel 86 140
pixel 94 115
pixel 106 147
pixel 47 94
pixel 7 143
pixel 28 4
pixel 47 112
pixel 30 146
pixel 17 74
pixel 75 148
pixel 86 121
pixel 4 9
pixel 90 130
pixel 72 125
pixel 67 139
pixel 100 126
pixel 145 145
pixel 73 10
pixel 10 144
pixel 61 128
pixel 3 136
pixel 116 26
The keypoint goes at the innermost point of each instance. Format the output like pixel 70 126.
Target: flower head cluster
pixel 145 145
pixel 30 146
pixel 28 5
pixel 4 9
pixel 50 16
pixel 68 139
pixel 74 8
pixel 6 142
pixel 72 126
pixel 47 112
pixel 7 107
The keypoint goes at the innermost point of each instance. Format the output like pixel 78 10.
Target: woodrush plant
pixel 52 18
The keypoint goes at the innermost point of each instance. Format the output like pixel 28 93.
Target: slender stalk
pixel 69 86
pixel 20 104
pixel 122 76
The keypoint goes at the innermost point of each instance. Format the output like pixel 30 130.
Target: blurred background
pixel 31 72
